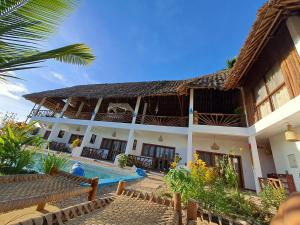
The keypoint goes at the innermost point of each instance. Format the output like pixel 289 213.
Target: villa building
pixel 251 111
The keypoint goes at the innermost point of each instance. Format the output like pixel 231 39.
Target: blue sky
pixel 138 40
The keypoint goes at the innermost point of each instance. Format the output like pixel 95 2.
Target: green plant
pixel 14 153
pixel 122 160
pixel 228 172
pixel 50 161
pixel 272 197
pixel 24 25
pixel 76 143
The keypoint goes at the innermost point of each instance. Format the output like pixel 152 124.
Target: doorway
pixel 212 159
pixel 114 146
pixel 162 156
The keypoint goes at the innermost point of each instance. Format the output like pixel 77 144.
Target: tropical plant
pixel 122 160
pixel 228 172
pixel 177 159
pixel 24 24
pixel 230 62
pixel 272 197
pixel 14 141
pixel 76 143
pixel 49 161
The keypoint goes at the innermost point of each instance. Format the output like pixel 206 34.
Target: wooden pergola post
pixel 191 212
pixel 177 206
pixel 121 187
pixel 94 186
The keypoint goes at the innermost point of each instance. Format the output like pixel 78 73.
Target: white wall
pixel 266 160
pixel 179 142
pixel 69 130
pixel 281 149
pixel 227 144
pixel 102 132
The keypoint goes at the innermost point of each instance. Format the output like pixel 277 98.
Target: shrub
pixel 122 160
pixel 272 197
pixel 15 157
pixel 76 143
pixel 50 161
pixel 177 159
pixel 228 172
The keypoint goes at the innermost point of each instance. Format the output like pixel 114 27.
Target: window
pixel 271 92
pixel 157 151
pixel 47 134
pixel 93 138
pixel 61 134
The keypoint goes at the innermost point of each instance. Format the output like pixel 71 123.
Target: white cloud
pixel 12 90
pixel 58 76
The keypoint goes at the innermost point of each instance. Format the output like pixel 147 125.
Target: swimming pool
pixel 107 176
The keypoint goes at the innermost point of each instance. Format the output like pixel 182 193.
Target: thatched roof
pixel 133 89
pixel 268 19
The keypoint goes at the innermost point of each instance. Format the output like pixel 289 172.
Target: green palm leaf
pixel 24 24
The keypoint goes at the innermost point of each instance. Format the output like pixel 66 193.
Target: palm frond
pixel 78 54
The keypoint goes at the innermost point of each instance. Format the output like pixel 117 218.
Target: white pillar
pixel 96 108
pixel 189 148
pixel 130 139
pixel 54 132
pixel 40 106
pixel 293 24
pixel 65 108
pixel 79 109
pixel 256 162
pixel 191 108
pixel 85 140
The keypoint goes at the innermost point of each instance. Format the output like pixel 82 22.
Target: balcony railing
pixel 176 121
pixel 218 119
pixel 114 117
pixel 42 113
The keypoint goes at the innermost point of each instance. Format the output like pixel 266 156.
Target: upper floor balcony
pixel 210 107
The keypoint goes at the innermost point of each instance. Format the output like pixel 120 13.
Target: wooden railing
pixel 101 154
pixel 140 161
pixel 42 113
pixel 114 117
pixel 175 121
pixel 285 181
pixel 218 119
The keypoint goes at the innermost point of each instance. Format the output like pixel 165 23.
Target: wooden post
pixel 121 187
pixel 41 206
pixel 93 192
pixel 144 112
pixel 192 208
pixel 177 206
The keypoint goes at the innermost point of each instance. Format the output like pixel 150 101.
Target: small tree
pixel 14 141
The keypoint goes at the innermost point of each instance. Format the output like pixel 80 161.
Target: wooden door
pixel 212 159
pixel 114 146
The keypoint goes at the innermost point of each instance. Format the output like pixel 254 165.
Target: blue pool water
pixel 106 176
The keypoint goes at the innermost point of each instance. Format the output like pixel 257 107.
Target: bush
pixel 15 157
pixel 272 197
pixel 50 161
pixel 76 143
pixel 122 160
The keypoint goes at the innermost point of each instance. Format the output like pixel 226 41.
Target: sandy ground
pixel 153 183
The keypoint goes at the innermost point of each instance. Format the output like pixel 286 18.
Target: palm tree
pixel 230 62
pixel 24 24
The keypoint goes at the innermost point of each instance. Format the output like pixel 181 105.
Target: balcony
pixel 114 117
pixel 42 113
pixel 219 119
pixel 175 121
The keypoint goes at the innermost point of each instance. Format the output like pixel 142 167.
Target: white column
pixel 130 139
pixel 65 108
pixel 96 108
pixel 40 106
pixel 189 148
pixel 79 109
pixel 54 132
pixel 293 24
pixel 256 162
pixel 84 141
pixel 191 108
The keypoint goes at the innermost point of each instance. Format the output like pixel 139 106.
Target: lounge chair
pixel 127 207
pixel 20 191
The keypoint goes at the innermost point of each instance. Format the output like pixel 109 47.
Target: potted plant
pixel 122 160
pixel 75 146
